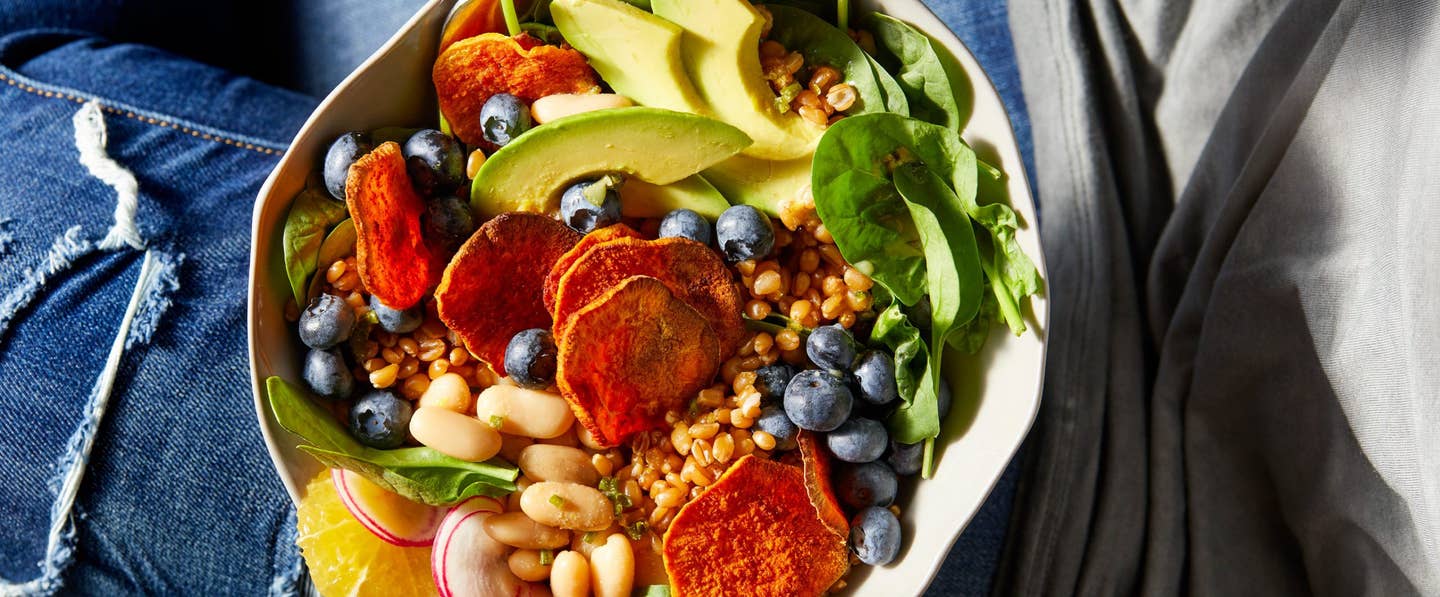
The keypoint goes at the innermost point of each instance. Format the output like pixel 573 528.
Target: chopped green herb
pixel 637 530
pixel 497 421
pixel 547 557
pixel 787 95
pixel 589 536
pixel 607 485
pixel 557 501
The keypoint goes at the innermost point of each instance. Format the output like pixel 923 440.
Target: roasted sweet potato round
pixel 471 70
pixel 492 288
pixel 394 261
pixel 632 355
pixel 608 233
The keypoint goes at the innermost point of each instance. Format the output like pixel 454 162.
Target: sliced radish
pixel 393 518
pixel 466 562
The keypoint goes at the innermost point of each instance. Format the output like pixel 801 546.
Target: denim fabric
pixel 178 496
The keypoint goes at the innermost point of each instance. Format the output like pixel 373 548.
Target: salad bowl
pixel 997 391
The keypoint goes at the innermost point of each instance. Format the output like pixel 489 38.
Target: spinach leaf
pixel 895 102
pixel 420 474
pixel 895 331
pixel 311 215
pixel 871 226
pixel 933 81
pixel 822 44
pixel 340 243
pixel 970 337
pixel 953 282
pixel 824 9
pixel 653 591
pixel 868 144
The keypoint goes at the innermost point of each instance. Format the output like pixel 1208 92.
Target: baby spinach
pixel 895 102
pixel 895 331
pixel 420 474
pixel 822 44
pixel 871 225
pixel 340 243
pixel 311 215
pixel 932 79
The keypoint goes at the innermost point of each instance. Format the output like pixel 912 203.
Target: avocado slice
pixel 721 53
pixel 640 199
pixel 636 52
pixel 762 184
pixel 650 144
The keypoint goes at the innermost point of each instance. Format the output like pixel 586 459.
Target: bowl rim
pixel 915 12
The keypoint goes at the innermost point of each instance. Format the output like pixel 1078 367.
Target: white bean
pixel 517 530
pixel 525 563
pixel 560 105
pixel 454 434
pixel 543 462
pixel 612 567
pixel 570 575
pixel 567 506
pixel 449 391
pixel 519 411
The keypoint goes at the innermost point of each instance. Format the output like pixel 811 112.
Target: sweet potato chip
pixel 631 356
pixel 753 532
pixel 395 263
pixel 471 70
pixel 692 271
pixel 491 290
pixel 608 233
pixel 815 458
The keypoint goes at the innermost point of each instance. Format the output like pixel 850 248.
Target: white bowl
pixel 997 392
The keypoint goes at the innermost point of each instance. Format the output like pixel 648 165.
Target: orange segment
pixel 347 559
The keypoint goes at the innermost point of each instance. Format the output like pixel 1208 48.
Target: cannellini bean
pixel 519 411
pixel 525 563
pixel 588 439
pixel 612 567
pixel 570 575
pixel 517 530
pixel 565 439
pixel 567 506
pixel 454 434
pixel 512 445
pixel 448 391
pixel 543 462
pixel 560 105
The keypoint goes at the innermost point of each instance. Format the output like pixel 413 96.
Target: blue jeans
pixel 129 457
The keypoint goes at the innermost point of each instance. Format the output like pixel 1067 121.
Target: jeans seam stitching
pixel 198 131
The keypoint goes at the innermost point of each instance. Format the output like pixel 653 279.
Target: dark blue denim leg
pixel 123 380
pixel 984 27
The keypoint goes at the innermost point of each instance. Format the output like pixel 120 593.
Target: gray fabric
pixel 1243 238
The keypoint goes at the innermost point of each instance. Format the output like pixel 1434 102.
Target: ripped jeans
pixel 130 462
pixel 128 446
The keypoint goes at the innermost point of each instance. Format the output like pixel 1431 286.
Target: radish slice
pixel 466 562
pixel 393 518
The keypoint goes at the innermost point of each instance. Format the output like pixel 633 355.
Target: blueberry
pixel 503 118
pixel 744 233
pixel 817 400
pixel 875 375
pixel 582 214
pixel 327 375
pixel 858 440
pixel 942 399
pixel 326 322
pixel 343 152
pixel 379 419
pixel 448 221
pixel 774 421
pixel 865 485
pixel 530 359
pixel 684 223
pixel 435 160
pixel 771 380
pixel 396 321
pixel 875 536
pixel 831 347
pixel 905 459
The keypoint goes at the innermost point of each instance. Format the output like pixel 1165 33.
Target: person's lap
pixel 178 495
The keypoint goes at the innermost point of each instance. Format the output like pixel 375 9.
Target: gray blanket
pixel 1241 205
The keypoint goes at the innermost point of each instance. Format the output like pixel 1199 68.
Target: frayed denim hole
pixel 6 236
pixel 156 299
pixel 291 576
pixel 67 248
